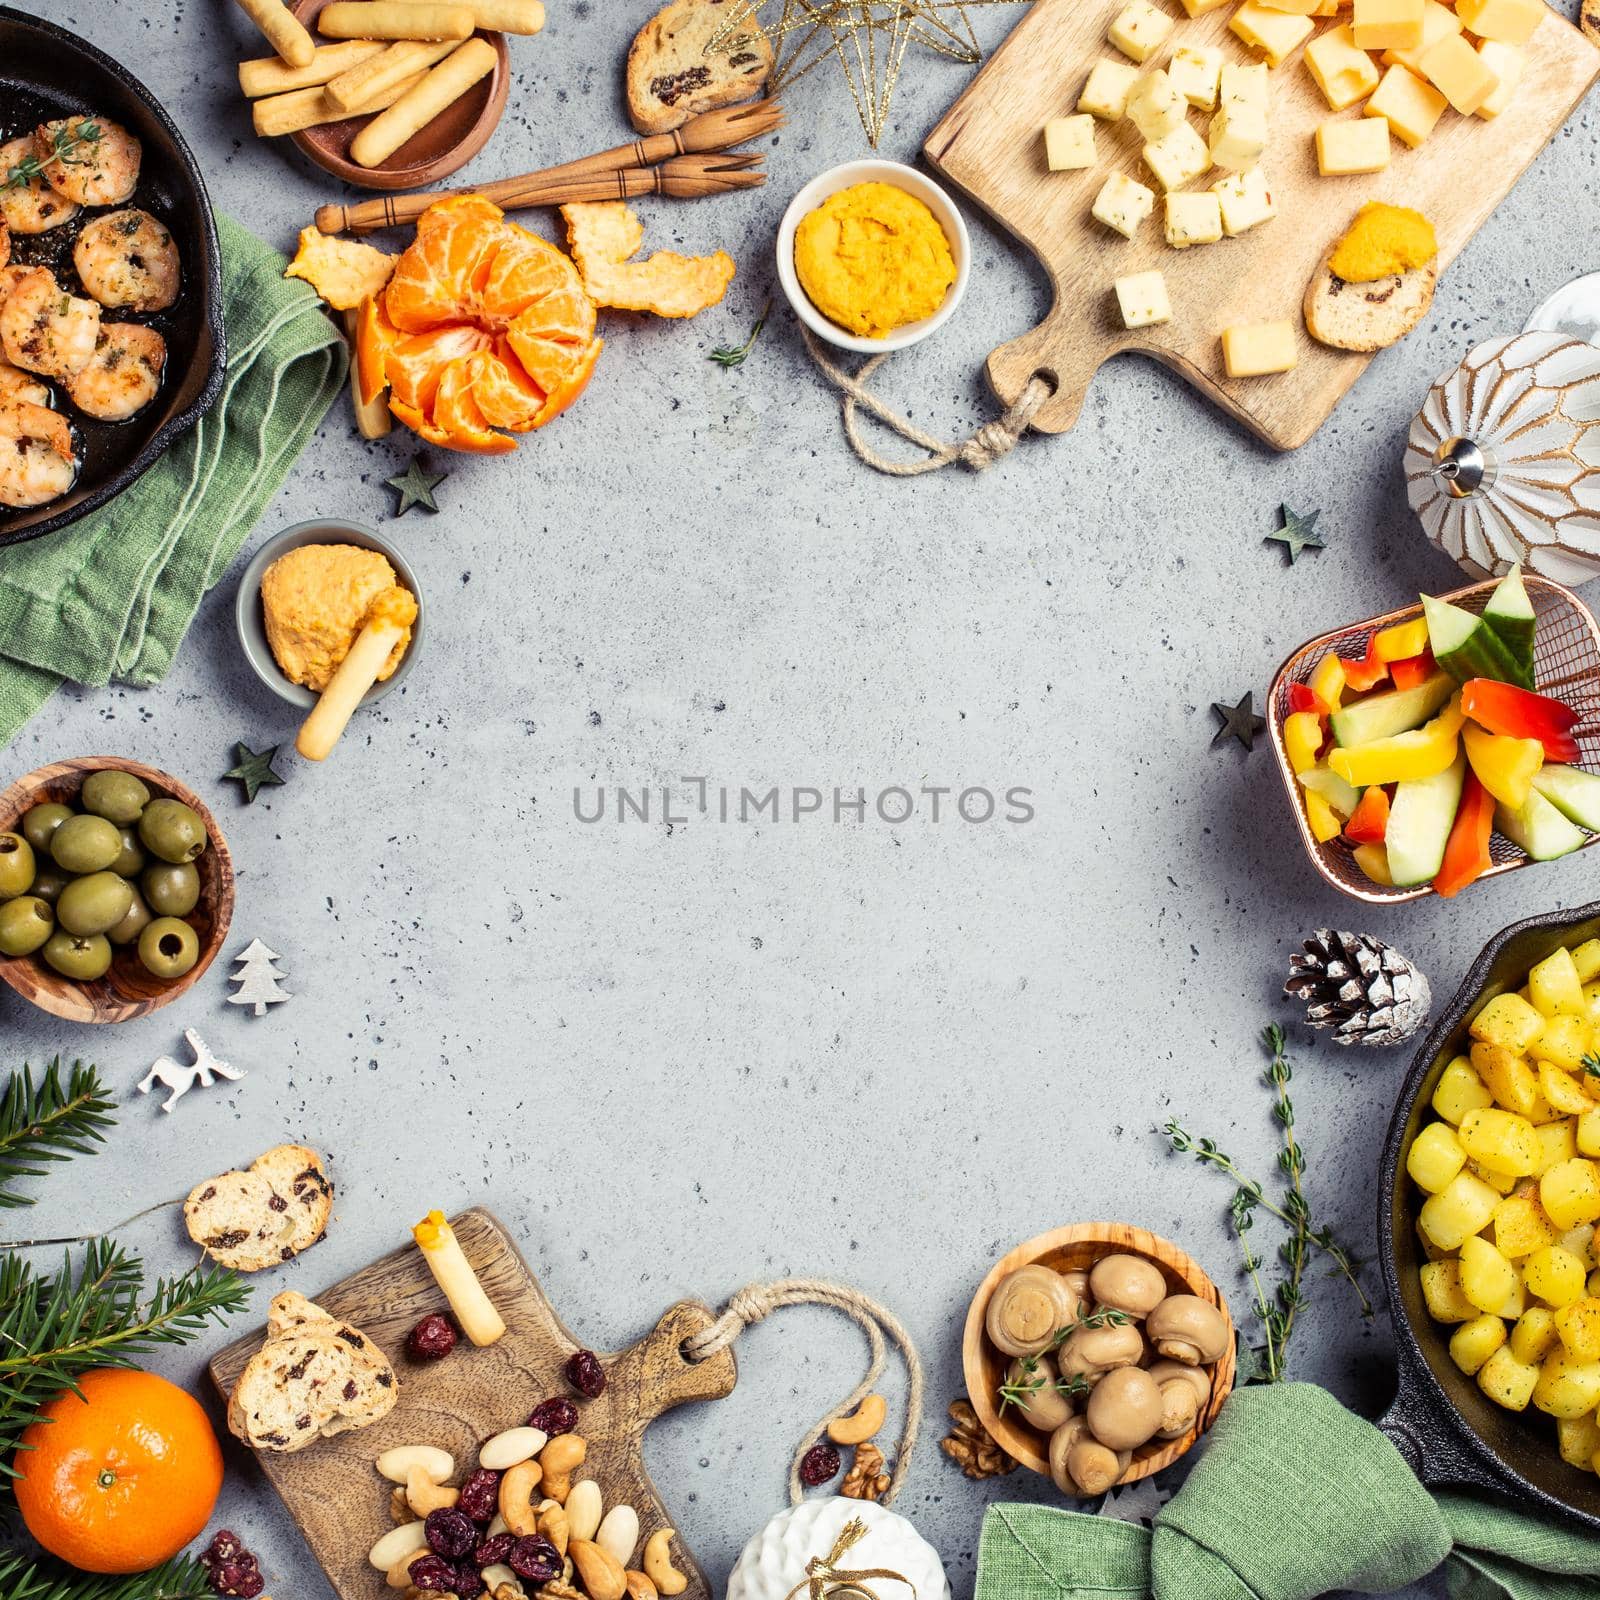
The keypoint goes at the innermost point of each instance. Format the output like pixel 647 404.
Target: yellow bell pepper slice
pixel 1421 753
pixel 1402 641
pixel 1327 682
pixel 1325 825
pixel 1505 766
pixel 1302 738
pixel 1373 860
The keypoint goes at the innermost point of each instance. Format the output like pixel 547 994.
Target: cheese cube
pixel 1140 30
pixel 1178 159
pixel 1105 95
pixel 1504 21
pixel 1123 204
pixel 1154 107
pixel 1388 24
pixel 1193 219
pixel 1459 73
pixel 1245 86
pixel 1276 34
pixel 1238 136
pixel 1343 73
pixel 1142 299
pixel 1069 143
pixel 1196 72
pixel 1299 8
pixel 1198 8
pixel 1437 22
pixel 1507 62
pixel 1246 201
pixel 1347 147
pixel 1410 106
pixel 1328 8
pixel 1252 350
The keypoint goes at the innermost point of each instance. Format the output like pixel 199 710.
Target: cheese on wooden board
pixel 1504 21
pixel 1508 63
pixel 1276 34
pixel 1178 159
pixel 1347 147
pixel 1388 24
pixel 1299 8
pixel 1105 95
pixel 1238 137
pixel 1343 73
pixel 1437 22
pixel 1459 73
pixel 1155 107
pixel 1196 73
pixel 1243 86
pixel 1252 350
pixel 1142 299
pixel 1246 201
pixel 1069 142
pixel 1198 8
pixel 1122 204
pixel 1140 30
pixel 1410 106
pixel 1193 219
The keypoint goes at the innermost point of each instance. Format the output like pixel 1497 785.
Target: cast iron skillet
pixel 47 72
pixel 1440 1421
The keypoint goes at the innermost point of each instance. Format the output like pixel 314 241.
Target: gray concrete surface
pixel 679 1057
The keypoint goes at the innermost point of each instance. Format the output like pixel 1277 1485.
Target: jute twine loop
pixel 759 1300
pixel 988 445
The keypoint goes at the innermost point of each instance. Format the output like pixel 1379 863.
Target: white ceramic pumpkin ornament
pixel 1503 461
pixel 775 1560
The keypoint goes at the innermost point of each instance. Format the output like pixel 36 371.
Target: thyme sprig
pixel 65 144
pixel 733 355
pixel 1591 1065
pixel 1030 1381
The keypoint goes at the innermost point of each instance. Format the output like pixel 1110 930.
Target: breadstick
pixel 373 418
pixel 509 16
pixel 444 85
pixel 395 19
pixel 310 108
pixel 280 29
pixel 392 613
pixel 396 63
pixel 271 75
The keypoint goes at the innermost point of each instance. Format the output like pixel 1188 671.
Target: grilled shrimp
pixel 91 160
pixel 124 374
pixel 45 329
pixel 28 204
pixel 128 259
pixel 5 241
pixel 36 459
pixel 15 384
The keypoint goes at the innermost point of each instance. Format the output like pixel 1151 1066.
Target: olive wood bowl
pixel 127 990
pixel 1077 1248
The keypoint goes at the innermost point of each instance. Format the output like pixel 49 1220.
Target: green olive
pixel 94 904
pixel 133 924
pixel 49 881
pixel 169 948
pixel 172 831
pixel 119 797
pixel 16 865
pixel 82 958
pixel 25 924
pixel 132 859
pixel 85 844
pixel 43 820
pixel 172 888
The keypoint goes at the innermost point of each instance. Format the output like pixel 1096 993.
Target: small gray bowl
pixel 252 620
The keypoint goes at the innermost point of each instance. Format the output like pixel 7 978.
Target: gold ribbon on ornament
pixel 825 1579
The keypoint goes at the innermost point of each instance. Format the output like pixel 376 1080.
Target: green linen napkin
pixel 113 595
pixel 1294 1496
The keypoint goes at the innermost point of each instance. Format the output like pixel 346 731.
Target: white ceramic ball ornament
pixel 1503 461
pixel 775 1560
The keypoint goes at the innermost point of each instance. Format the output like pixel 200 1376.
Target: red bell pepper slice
pixel 1302 697
pixel 1370 820
pixel 1504 708
pixel 1466 852
pixel 1413 670
pixel 1367 672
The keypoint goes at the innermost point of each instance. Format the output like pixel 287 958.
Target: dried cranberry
pixel 450 1531
pixel 469 1581
pixel 494 1550
pixel 433 1573
pixel 480 1495
pixel 230 1578
pixel 432 1339
pixel 225 1546
pixel 818 1464
pixel 552 1417
pixel 535 1559
pixel 585 1374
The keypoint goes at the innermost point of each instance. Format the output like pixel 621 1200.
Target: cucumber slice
pixel 1420 819
pixel 1465 645
pixel 1575 794
pixel 1539 829
pixel 1340 795
pixel 1381 716
pixel 1509 616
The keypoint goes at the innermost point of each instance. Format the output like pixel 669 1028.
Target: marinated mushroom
pixel 1125 1409
pixel 1026 1308
pixel 1061 1443
pixel 1094 1467
pixel 1032 1388
pixel 1188 1329
pixel 1127 1283
pixel 1184 1390
pixel 1090 1353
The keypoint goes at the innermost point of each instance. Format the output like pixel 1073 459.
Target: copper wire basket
pixel 1566 664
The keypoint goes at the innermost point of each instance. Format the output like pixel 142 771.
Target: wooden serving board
pixel 331 1489
pixel 990 145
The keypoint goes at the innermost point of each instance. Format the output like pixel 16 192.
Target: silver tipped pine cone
pixel 1356 985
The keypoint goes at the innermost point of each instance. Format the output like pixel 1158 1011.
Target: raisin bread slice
pixel 1368 316
pixel 265 1215
pixel 295 1171
pixel 372 1391
pixel 671 74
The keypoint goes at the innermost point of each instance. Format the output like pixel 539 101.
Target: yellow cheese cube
pixel 1578 1438
pixel 1243 85
pixel 1557 1143
pixel 1586 956
pixel 1140 30
pixel 1237 138
pixel 1462 1208
pixel 1069 142
pixel 1504 21
pixel 1196 73
pixel 1178 159
pixel 1508 1021
pixel 1343 73
pixel 1276 34
pixel 1105 95
pixel 1298 8
pixel 1570 1193
pixel 1459 1089
pixel 1509 1078
pixel 1197 219
pixel 1474 1342
pixel 1589 1133
pixel 1464 78
pixel 1247 202
pixel 1501 1140
pixel 1255 349
pixel 1488 1280
pixel 1521 1227
pixel 1567 1387
pixel 1198 8
pixel 1506 1381
pixel 1387 24
pixel 1142 299
pixel 1441 1288
pixel 1554 987
pixel 1579 1327
pixel 1122 205
pixel 1534 1336
pixel 1410 106
pixel 1155 107
pixel 1344 148
pixel 1437 21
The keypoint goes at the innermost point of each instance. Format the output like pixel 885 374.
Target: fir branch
pixel 49 1121
pixel 24 1579
pixel 65 144
pixel 733 355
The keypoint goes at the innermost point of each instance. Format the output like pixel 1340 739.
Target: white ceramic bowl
pixel 902 177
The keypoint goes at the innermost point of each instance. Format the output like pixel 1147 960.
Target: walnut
pixel 866 1479
pixel 968 1445
pixel 510 1591
pixel 561 1589
pixel 399 1511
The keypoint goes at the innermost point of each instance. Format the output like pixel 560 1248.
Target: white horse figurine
pixel 180 1080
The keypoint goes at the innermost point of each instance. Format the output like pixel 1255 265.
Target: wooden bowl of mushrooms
pixel 1096 1354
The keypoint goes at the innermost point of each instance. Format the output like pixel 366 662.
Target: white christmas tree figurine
pixel 257 979
pixel 180 1080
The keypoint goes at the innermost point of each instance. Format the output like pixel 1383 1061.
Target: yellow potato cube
pixel 1509 1078
pixel 1506 1381
pixel 1557 1143
pixel 1592 1284
pixel 1534 1336
pixel 1567 1387
pixel 1462 1208
pixel 1564 1091
pixel 1564 1041
pixel 1488 1280
pixel 1435 1157
pixel 1570 1192
pixel 1521 1227
pixel 1578 1438
pixel 1508 1021
pixel 1553 1275
pixel 1586 960
pixel 1499 1139
pixel 1459 1091
pixel 1474 1342
pixel 1579 1327
pixel 1441 1288
pixel 1579 1241
pixel 1589 1133
pixel 1554 986
pixel 1500 1182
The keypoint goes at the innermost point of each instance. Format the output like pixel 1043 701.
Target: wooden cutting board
pixel 331 1489
pixel 990 145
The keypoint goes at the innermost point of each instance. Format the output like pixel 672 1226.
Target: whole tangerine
pixel 121 1478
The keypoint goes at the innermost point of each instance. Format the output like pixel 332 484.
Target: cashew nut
pixel 584 1506
pixel 400 1572
pixel 658 1564
pixel 498 1573
pixel 497 1524
pixel 862 1424
pixel 559 1459
pixel 600 1573
pixel 618 1533
pixel 397 1542
pixel 424 1495
pixel 516 1498
pixel 639 1586
pixel 553 1525
pixel 508 1448
pixel 397 1464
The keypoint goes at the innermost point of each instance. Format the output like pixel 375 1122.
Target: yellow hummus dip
pixel 1383 242
pixel 319 597
pixel 873 258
